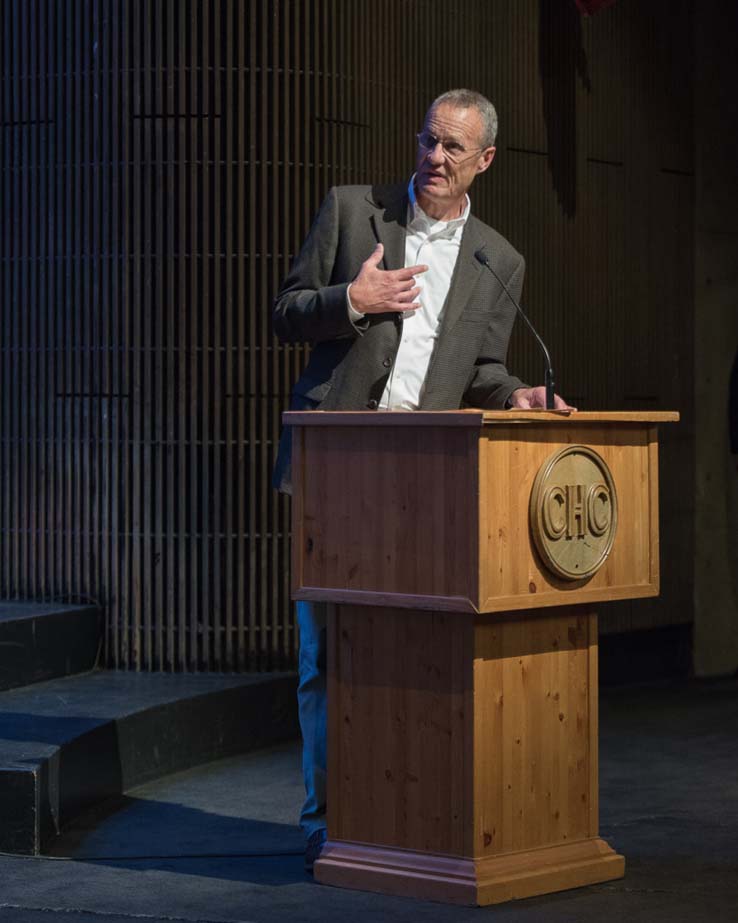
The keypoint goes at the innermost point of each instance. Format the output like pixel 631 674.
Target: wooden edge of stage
pixel 472 882
pixel 470 417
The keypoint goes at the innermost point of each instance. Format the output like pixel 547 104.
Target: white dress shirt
pixel 436 245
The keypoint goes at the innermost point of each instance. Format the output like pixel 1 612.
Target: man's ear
pixel 486 158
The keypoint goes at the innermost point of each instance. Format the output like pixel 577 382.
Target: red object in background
pixel 593 6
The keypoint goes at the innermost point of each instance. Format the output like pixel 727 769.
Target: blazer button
pixel 387 362
pixel 372 405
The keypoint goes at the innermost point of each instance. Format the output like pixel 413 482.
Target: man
pixel 402 315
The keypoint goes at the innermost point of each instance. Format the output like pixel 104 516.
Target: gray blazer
pixel 350 362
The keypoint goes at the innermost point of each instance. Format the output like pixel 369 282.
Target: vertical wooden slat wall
pixel 161 163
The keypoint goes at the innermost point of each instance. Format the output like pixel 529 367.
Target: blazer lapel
pixel 389 223
pixel 466 274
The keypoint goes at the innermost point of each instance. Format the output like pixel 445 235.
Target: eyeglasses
pixel 452 149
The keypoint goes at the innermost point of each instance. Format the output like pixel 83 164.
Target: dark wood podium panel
pixel 401 700
pixel 377 504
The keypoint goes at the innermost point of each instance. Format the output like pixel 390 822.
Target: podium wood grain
pixel 382 496
pixel 466 737
pixel 462 676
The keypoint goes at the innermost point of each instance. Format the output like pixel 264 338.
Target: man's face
pixel 443 178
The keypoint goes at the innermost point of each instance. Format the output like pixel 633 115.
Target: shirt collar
pixel 416 213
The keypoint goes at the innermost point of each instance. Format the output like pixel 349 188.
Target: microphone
pixel 481 256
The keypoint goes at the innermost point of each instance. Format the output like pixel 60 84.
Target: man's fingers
pixel 375 257
pixel 561 404
pixel 393 275
pixel 406 286
pixel 403 275
pixel 410 295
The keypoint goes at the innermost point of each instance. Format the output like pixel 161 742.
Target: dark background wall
pixel 160 164
pixel 716 339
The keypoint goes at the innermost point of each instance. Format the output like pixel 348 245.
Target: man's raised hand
pixel 376 290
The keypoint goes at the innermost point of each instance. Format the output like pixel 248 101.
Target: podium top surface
pixel 471 418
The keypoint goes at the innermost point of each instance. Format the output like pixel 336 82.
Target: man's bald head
pixel 468 99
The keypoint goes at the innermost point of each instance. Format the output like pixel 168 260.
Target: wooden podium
pixel 462 668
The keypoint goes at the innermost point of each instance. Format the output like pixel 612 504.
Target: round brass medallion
pixel 574 512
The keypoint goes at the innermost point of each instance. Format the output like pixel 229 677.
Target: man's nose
pixel 436 154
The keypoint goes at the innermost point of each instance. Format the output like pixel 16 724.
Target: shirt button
pixel 387 362
pixel 372 405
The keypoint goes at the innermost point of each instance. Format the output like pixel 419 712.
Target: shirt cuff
pixel 353 314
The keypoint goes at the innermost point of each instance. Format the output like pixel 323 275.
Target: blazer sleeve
pixel 312 306
pixel 490 384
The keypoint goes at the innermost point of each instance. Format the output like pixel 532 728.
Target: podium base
pixel 474 882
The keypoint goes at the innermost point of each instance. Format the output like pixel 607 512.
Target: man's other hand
pixel 376 290
pixel 535 399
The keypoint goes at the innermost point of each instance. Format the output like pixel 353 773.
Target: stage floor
pixel 219 843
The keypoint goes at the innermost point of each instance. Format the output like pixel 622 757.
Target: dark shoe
pixel 314 847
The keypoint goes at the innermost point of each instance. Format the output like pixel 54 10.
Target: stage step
pixel 40 641
pixel 69 743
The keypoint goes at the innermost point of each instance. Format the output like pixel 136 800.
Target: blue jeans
pixel 311 703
